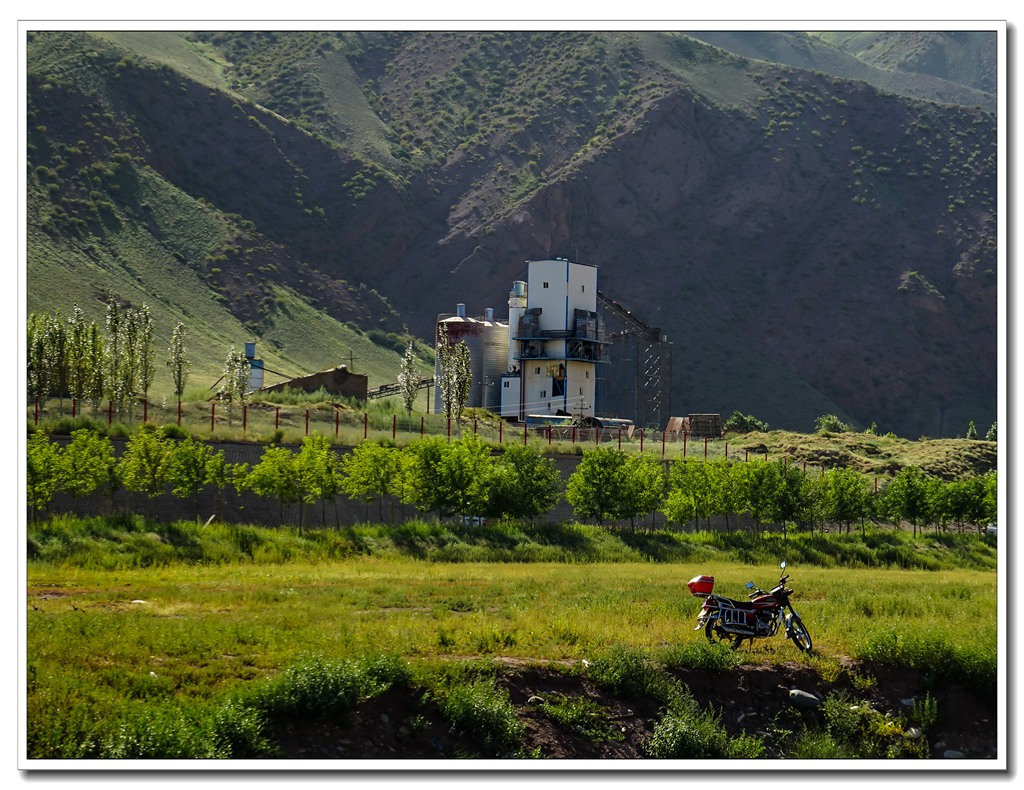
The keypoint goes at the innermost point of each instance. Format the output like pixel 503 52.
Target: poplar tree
pixel 114 352
pixel 145 367
pixel 234 380
pixel 408 380
pixel 178 360
pixel 79 361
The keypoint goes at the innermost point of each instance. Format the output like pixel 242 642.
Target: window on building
pixel 505 385
pixel 543 393
pixel 545 284
pixel 536 370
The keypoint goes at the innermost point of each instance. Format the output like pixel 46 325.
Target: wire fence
pixel 266 423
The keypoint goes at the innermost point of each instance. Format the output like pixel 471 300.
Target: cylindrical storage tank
pixel 494 347
pixel 516 308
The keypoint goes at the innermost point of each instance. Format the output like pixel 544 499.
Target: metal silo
pixel 494 360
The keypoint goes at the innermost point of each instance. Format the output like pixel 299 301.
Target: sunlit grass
pixel 176 637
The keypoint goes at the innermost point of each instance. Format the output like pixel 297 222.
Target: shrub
pixel 745 423
pixel 631 673
pixel 687 732
pixel 583 716
pixel 318 687
pixel 830 423
pixel 483 711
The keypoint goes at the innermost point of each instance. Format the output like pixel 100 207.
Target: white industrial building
pixel 543 359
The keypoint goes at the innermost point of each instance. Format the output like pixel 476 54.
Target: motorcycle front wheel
pixel 716 636
pixel 799 634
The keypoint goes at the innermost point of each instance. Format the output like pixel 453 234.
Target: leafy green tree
pixel 274 477
pixel 830 423
pixel 759 486
pixel 118 385
pixel 41 472
pixel 37 377
pixel 178 360
pixel 219 474
pixel 143 468
pixel 87 465
pixel 906 498
pixel 992 433
pixel 609 483
pixel 79 372
pixel 371 472
pixel 990 507
pixel 96 353
pixel 187 469
pixel 642 486
pixel 463 377
pixel 130 347
pixel 724 480
pixel 739 422
pixel 234 385
pixel 843 496
pixel 146 366
pixel 408 379
pixel 318 471
pixel 448 477
pixel 792 500
pixel 972 432
pixel 48 358
pixel 455 376
pixel 523 483
pixel 690 492
pixel 593 487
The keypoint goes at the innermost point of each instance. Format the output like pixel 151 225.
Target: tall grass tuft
pixel 633 673
pixel 701 654
pixel 483 711
pixel 975 664
pixel 318 687
pixel 687 732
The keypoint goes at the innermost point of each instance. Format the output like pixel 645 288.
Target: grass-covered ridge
pixel 136 542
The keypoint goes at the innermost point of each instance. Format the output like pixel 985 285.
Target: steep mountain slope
pixel 809 244
pixel 950 67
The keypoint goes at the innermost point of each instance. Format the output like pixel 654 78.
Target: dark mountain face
pixel 808 244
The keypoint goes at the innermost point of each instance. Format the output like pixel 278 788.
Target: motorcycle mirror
pixel 783 566
pixel 750 585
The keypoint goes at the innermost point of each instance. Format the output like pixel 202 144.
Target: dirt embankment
pixel 753 699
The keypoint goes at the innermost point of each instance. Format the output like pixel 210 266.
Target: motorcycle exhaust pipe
pixel 734 629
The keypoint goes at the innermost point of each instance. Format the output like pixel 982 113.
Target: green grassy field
pixel 186 637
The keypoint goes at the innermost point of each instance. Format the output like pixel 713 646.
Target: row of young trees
pixel 69 357
pixel 466 477
pixel 446 478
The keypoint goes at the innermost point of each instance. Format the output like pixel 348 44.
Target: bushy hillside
pixel 809 244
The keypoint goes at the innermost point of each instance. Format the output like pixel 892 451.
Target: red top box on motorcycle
pixel 701 586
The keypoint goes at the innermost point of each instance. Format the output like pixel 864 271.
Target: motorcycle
pixel 730 621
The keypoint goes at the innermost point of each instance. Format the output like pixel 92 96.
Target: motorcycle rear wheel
pixel 799 634
pixel 716 636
